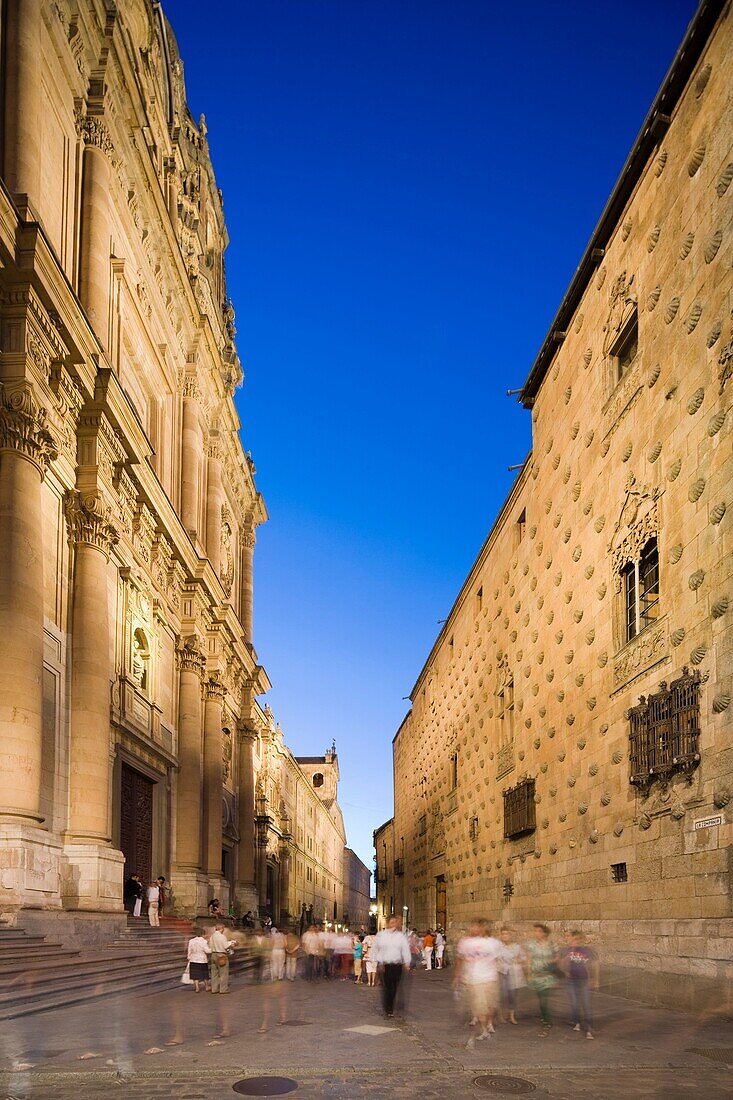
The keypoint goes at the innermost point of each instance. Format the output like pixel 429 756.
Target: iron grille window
pixel 619 872
pixel 641 591
pixel 399 867
pixel 519 809
pixel 422 825
pixel 473 829
pixel 665 729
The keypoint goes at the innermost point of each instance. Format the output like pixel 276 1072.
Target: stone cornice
pixel 23 425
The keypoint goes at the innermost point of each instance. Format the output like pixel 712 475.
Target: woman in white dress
pixel 369 960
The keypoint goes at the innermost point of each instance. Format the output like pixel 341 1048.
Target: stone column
pixel 214 498
pixel 94 879
pixel 285 879
pixel 246 585
pixel 31 867
pixel 213 780
pixel 23 90
pixel 263 825
pixel 246 878
pixel 94 254
pixel 190 459
pixel 187 864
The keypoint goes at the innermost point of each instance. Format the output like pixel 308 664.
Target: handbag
pixel 186 978
pixel 221 959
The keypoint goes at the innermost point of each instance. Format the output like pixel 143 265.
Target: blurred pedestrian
pixel 278 943
pixel 162 894
pixel 358 958
pixel 369 959
pixel 221 948
pixel 581 967
pixel 292 951
pixel 392 954
pixel 542 970
pixel 439 949
pixel 311 946
pixel 511 974
pixel 197 953
pixel 477 968
pixel 428 944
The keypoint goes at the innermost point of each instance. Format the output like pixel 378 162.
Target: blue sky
pixel 408 186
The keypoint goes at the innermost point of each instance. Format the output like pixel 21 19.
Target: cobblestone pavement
pixel 179 1044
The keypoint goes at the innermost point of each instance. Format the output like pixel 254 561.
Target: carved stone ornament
pixel 226 755
pixel 88 520
pixel 632 533
pixel 725 362
pixel 23 426
pixel 227 558
pixel 93 130
pixel 621 305
pixel 214 689
pixel 189 656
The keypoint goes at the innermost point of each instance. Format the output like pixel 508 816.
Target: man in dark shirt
pixel 581 967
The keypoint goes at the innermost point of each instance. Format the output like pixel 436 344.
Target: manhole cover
pixel 39 1055
pixel 513 1086
pixel 715 1054
pixel 265 1086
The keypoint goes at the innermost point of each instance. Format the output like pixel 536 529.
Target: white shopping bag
pixel 186 978
pixel 138 907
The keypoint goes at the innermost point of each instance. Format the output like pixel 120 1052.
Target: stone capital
pixel 214 689
pixel 93 131
pixel 23 425
pixel 87 518
pixel 246 733
pixel 189 657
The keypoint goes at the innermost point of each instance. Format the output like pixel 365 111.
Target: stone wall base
pixel 30 868
pixel 190 894
pixel 92 878
pixel 77 930
pixel 246 898
pixel 703 996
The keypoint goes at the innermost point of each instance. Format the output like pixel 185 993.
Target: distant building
pixel 567 755
pixel 357 878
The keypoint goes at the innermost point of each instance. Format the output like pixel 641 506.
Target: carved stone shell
pixel 569 658
pixel 583 808
pixel 617 757
pixel 618 829
pixel 651 241
pixel 605 446
pixel 720 607
pixel 661 161
pixel 575 491
pixel 653 375
pixel 712 244
pixel 588 437
pixel 601 591
pixel 591 705
pixel 556 462
pixel 696 489
pixel 590 637
pixel 674 471
pixel 701 80
pixel 566 475
pixel 717 513
pixel 655 451
pixel 697 654
pixel 626 453
pixel 686 247
pixel 696 159
pixel 600 524
pixel 696 579
pixel 644 821
pixel 714 334
pixel 571 781
pixel 721 798
pixel 602 662
pixel 601 278
pixel 561 756
pixel 568 394
pixel 605 799
pixel 676 553
pixel 577 552
pixel 587 356
pixel 575 429
pixel 577 615
pixel 626 229
pixel 593 836
pixel 696 401
pixel 589 571
pixel 693 317
pixel 553 849
pixel 677 636
pixel 717 420
pixel 653 298
pixel 724 180
pixel 721 702
pixel 671 311
pixel 677 811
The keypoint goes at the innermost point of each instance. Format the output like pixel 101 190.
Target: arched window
pixel 318 779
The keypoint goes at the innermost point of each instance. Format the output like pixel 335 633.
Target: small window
pixel 479 599
pixel 473 829
pixel 454 771
pixel 422 825
pixel 619 872
pixel 641 591
pixel 521 525
pixel 318 779
pixel 505 711
pixel 519 809
pixel 626 347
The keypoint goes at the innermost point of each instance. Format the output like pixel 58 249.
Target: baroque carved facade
pixel 129 721
pixel 569 739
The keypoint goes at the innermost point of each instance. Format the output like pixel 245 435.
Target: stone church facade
pixel 569 743
pixel 131 737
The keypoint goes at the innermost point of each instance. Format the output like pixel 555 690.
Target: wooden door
pixel 440 904
pixel 136 823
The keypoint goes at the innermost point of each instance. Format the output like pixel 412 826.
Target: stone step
pixel 25 957
pixel 59 994
pixel 71 961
